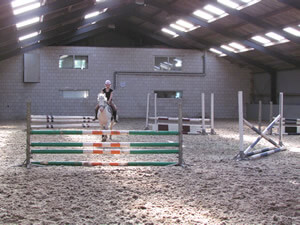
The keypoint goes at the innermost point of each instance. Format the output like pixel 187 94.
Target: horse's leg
pixel 110 127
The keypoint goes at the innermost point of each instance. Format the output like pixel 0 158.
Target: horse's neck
pixel 104 116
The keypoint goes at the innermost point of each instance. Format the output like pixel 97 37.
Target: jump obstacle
pixel 110 147
pixel 290 126
pixel 192 125
pixel 249 152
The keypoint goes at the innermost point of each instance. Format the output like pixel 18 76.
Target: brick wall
pixel 135 78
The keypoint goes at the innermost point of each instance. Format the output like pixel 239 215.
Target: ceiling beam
pixel 203 44
pixel 223 31
pixel 256 22
pixel 4 36
pixel 292 3
pixel 70 29
pixel 43 10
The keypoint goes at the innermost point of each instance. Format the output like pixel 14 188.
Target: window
pixel 165 63
pixel 78 94
pixel 73 62
pixel 168 94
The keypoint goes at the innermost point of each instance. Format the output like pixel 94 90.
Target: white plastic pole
pixel 281 117
pixel 147 111
pixel 155 109
pixel 212 116
pixel 271 115
pixel 259 115
pixel 203 112
pixel 241 122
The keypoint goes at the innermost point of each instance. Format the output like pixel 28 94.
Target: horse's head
pixel 102 101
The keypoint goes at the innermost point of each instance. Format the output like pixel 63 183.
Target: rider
pixel 109 95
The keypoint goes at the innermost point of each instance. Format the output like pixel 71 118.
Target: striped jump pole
pixel 57 126
pixel 87 163
pixel 254 154
pixel 51 117
pixel 106 144
pixel 64 121
pixel 105 151
pixel 102 132
pixel 28 129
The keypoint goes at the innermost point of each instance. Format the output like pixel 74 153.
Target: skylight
pixel 227 48
pixel 26 8
pixel 214 10
pixel 229 3
pixel 239 47
pixel 28 22
pixel 167 31
pixel 177 27
pixel 243 3
pixel 183 25
pixel 93 14
pixel 203 14
pixel 22 38
pixel 275 36
pixel 18 3
pixel 261 39
pixel 217 52
pixel 292 31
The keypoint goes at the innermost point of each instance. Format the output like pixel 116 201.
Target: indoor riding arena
pixel 149 112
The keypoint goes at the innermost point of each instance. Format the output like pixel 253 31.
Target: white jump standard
pixel 249 152
pixel 192 125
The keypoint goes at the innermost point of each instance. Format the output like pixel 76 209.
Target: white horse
pixel 104 115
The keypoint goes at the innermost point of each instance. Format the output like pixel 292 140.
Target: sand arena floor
pixel 211 189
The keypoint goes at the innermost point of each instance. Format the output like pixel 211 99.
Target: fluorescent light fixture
pixel 177 27
pixel 261 39
pixel 292 31
pixel 93 23
pixel 26 8
pixel 229 3
pixel 165 30
pixel 100 0
pixel 18 3
pixel 185 24
pixel 28 36
pixel 227 48
pixel 275 36
pixel 214 10
pixel 203 14
pixel 246 1
pixel 28 22
pixel 237 45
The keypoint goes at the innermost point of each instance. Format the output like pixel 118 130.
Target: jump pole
pixel 155 109
pixel 147 111
pixel 203 113
pixel 180 136
pixel 212 128
pixel 28 130
pixel 281 117
pixel 241 123
pixel 271 115
pixel 259 115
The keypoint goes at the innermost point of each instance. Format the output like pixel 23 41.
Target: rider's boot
pixel 115 116
pixel 96 112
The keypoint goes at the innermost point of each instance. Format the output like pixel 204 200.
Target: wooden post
pixel 241 123
pixel 28 117
pixel 180 137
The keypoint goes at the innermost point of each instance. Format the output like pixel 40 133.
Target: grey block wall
pixel 135 77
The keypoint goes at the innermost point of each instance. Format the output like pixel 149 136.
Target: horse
pixel 104 115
